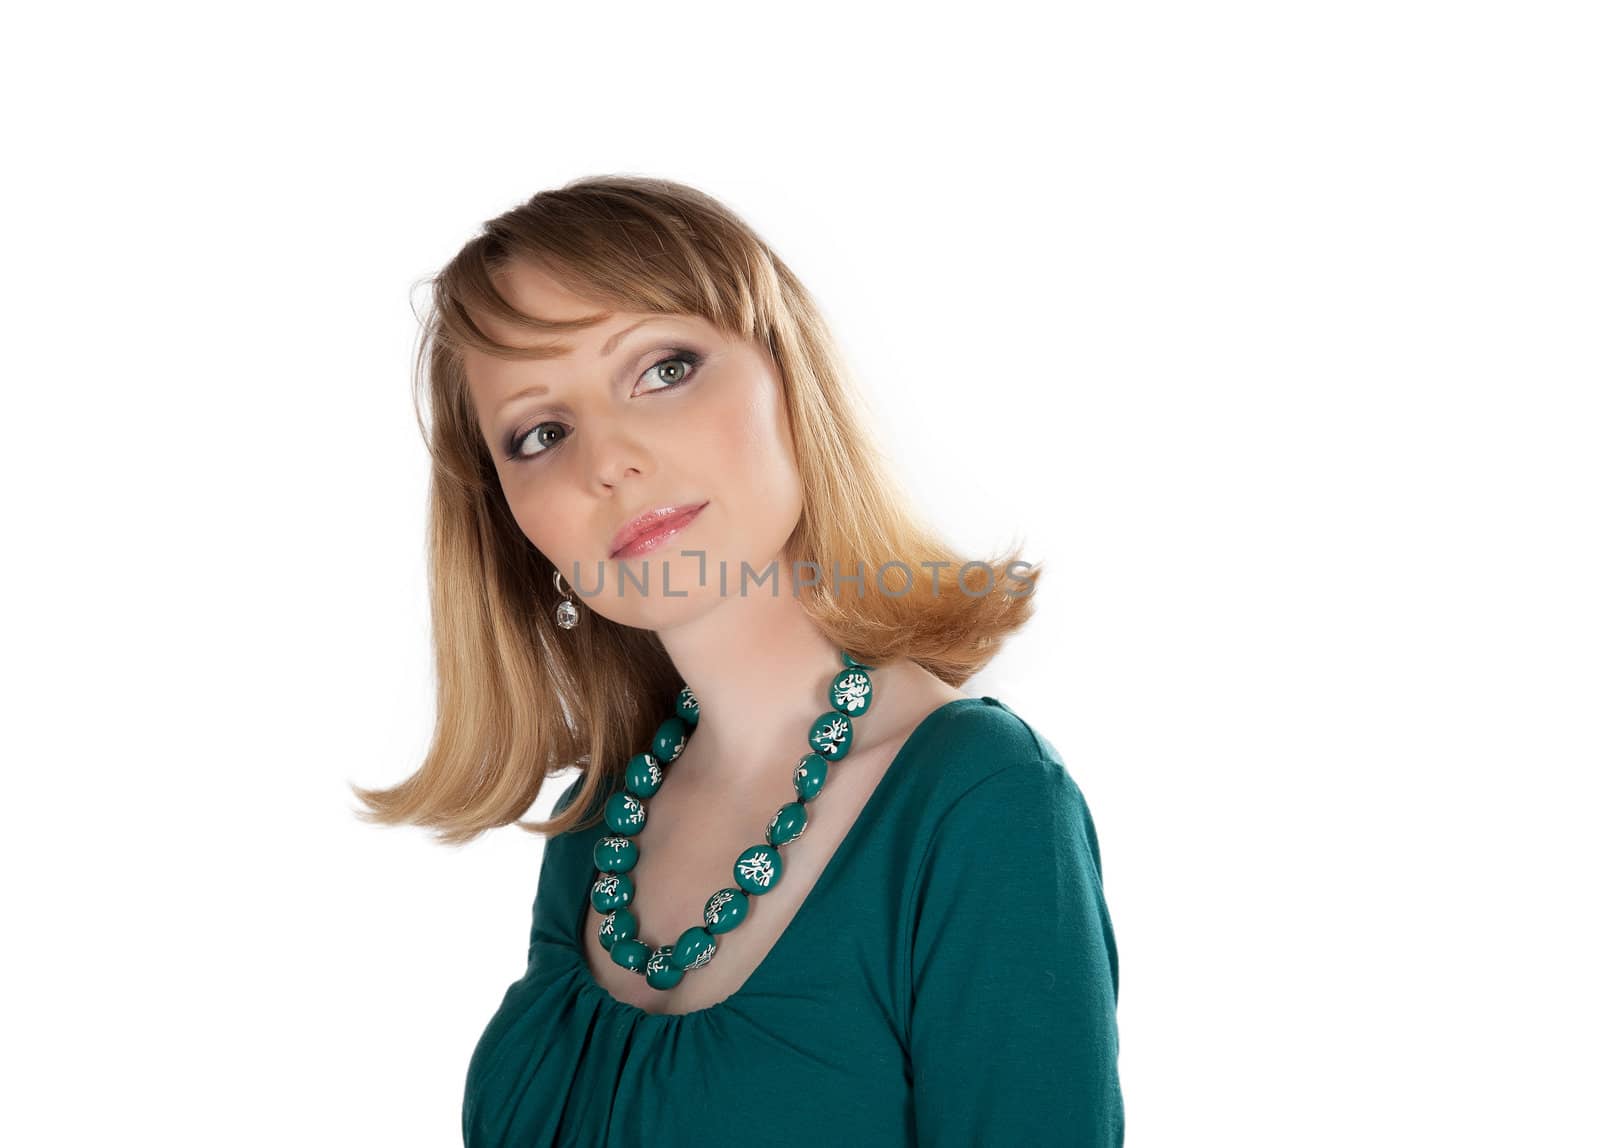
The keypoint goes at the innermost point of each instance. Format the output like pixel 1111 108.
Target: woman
pixel 802 889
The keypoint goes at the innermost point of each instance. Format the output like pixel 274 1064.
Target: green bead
pixel 643 776
pixel 851 663
pixel 810 772
pixel 758 869
pixel 725 909
pixel 631 955
pixel 615 854
pixel 624 814
pixel 688 706
pixel 787 824
pixel 618 925
pixel 659 973
pixel 830 735
pixel 851 692
pixel 611 891
pixel 693 949
pixel 671 736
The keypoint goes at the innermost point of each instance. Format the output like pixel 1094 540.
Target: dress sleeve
pixel 1013 1030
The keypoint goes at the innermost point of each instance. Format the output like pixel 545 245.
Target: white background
pixel 1272 327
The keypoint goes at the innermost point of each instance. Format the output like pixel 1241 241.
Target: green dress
pixel 951 979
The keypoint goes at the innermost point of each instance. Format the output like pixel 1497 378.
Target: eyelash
pixel 675 354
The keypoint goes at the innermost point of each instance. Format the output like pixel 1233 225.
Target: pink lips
pixel 653 527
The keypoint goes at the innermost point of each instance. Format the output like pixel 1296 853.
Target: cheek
pixel 548 521
pixel 545 538
pixel 773 487
pixel 751 443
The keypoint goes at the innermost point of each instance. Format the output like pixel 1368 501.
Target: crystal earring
pixel 566 613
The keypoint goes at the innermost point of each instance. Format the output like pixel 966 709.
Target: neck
pixel 760 668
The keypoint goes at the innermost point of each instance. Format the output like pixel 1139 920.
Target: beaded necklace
pixel 756 871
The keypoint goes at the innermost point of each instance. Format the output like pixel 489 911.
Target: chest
pixel 687 850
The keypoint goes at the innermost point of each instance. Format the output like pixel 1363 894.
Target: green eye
pixel 534 435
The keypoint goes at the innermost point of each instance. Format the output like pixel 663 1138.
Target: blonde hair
pixel 519 698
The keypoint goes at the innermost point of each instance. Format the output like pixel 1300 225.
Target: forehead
pixel 534 290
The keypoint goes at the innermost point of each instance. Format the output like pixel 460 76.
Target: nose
pixel 613 455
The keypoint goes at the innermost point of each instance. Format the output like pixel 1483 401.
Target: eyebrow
pixel 606 348
pixel 611 343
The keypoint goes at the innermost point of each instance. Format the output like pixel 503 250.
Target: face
pixel 645 412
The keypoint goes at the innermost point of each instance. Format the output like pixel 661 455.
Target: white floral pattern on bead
pixel 758 868
pixel 719 901
pixel 852 692
pixel 608 926
pixel 632 810
pixel 832 735
pixel 704 958
pixel 606 884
